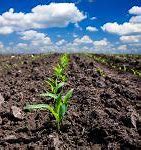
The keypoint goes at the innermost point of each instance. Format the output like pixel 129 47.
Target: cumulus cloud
pixel 61 42
pixel 41 16
pixel 5 30
pixel 1 45
pixel 93 18
pixel 135 10
pixel 133 26
pixel 91 29
pixel 131 39
pixel 122 29
pixel 36 38
pixel 21 45
pixel 100 43
pixel 84 40
pixel 122 47
pixel 33 42
pixel 86 44
pixel 135 19
pixel 35 45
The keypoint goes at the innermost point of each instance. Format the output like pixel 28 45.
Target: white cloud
pixel 1 45
pixel 131 39
pixel 21 45
pixel 135 10
pixel 75 35
pixel 133 26
pixel 135 45
pixel 135 19
pixel 5 30
pixel 122 47
pixel 77 26
pixel 34 43
pixel 93 18
pixel 36 38
pixel 61 42
pixel 84 40
pixel 122 29
pixel 103 42
pixel 41 16
pixel 91 29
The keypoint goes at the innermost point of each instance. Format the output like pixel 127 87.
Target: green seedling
pixel 55 88
pixel 59 82
pixel 100 72
pixel 124 68
pixel 139 73
pixel 58 111
pixel 59 70
pixel 64 61
pixel 134 72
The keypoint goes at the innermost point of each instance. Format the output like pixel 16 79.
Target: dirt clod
pixel 17 112
pixel 1 99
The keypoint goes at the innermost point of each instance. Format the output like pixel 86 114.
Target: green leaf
pixel 48 94
pixel 62 111
pixel 64 78
pixel 51 109
pixel 64 60
pixel 51 83
pixel 58 103
pixel 59 86
pixel 36 106
pixel 43 107
pixel 58 71
pixel 67 96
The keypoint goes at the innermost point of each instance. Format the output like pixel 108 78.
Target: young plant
pixel 100 72
pixel 124 68
pixel 56 86
pixel 134 72
pixel 60 77
pixel 58 111
pixel 64 61
pixel 59 70
pixel 138 73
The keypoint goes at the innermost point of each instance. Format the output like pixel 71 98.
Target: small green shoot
pixel 56 85
pixel 100 72
pixel 59 70
pixel 124 68
pixel 60 107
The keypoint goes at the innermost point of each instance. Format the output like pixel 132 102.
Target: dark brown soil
pixel 104 112
pixel 131 62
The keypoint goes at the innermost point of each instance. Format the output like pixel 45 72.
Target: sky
pixel 98 26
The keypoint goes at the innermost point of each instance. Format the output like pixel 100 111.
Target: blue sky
pixel 100 26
